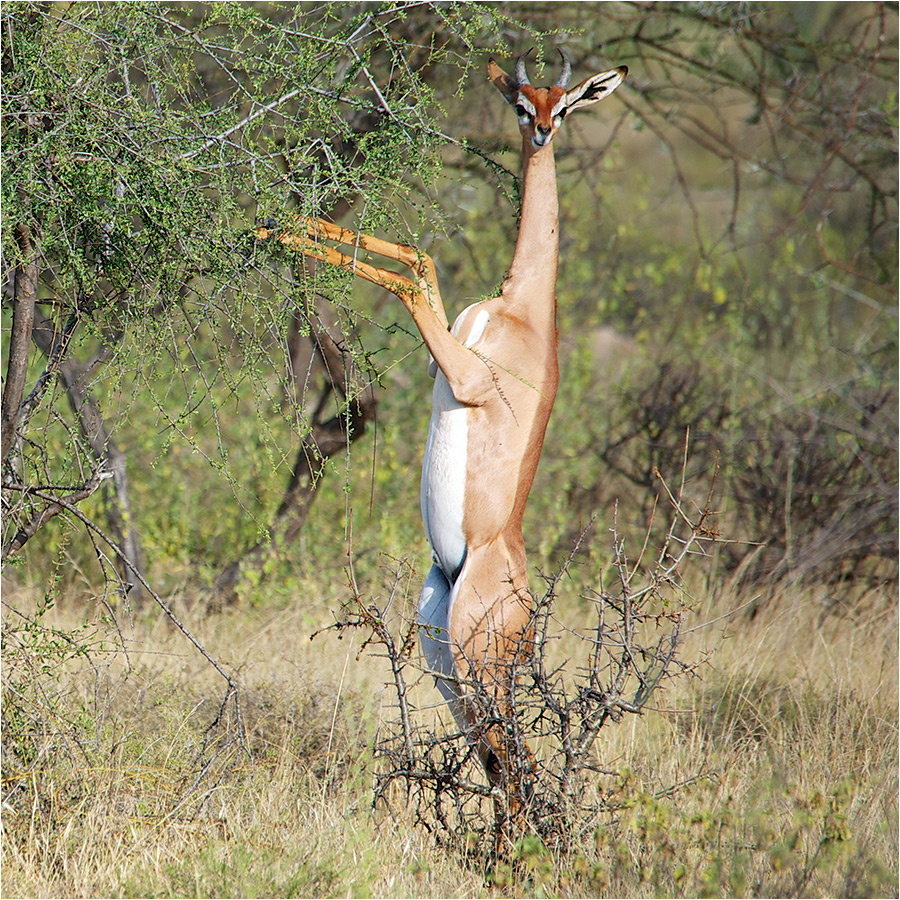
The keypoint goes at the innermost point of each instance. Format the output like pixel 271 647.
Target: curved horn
pixel 521 74
pixel 566 73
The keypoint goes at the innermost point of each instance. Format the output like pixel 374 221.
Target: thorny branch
pixel 54 506
pixel 577 682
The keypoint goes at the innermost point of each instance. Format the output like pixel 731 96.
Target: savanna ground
pixel 774 773
pixel 718 293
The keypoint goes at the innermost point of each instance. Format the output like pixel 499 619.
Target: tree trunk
pixel 74 377
pixel 25 284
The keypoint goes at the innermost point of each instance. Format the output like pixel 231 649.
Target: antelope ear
pixel 504 83
pixel 595 88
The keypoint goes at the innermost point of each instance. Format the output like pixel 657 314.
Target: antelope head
pixel 542 110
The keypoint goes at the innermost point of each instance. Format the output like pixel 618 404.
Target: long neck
pixel 536 259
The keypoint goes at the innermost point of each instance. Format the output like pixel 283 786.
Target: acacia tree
pixel 142 142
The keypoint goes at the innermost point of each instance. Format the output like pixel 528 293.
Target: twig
pixel 55 507
pixel 239 125
pixel 93 527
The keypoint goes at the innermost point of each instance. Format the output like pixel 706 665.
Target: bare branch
pixel 53 508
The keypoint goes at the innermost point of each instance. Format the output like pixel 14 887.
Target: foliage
pixel 160 136
pixel 36 657
pixel 139 152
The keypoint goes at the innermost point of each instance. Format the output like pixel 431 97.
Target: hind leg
pixel 434 635
pixel 491 637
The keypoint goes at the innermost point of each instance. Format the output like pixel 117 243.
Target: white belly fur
pixel 443 488
pixel 444 478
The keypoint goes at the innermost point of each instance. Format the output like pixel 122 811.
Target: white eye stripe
pixel 526 104
pixel 557 110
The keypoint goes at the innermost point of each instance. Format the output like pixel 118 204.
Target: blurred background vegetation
pixel 192 415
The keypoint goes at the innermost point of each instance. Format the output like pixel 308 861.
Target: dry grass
pixel 774 774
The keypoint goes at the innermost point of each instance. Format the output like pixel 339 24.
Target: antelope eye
pixel 521 112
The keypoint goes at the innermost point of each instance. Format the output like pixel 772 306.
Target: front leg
pixel 421 264
pixel 469 376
